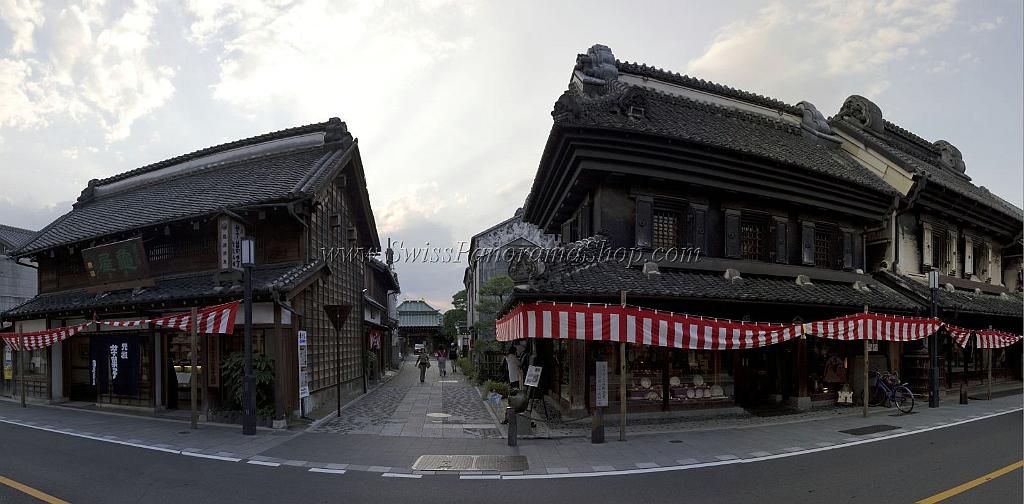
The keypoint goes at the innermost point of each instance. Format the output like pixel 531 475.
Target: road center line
pixel 262 463
pixel 971 484
pixel 43 496
pixel 213 457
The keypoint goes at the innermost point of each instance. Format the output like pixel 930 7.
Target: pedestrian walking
pixel 442 359
pixel 423 362
pixel 453 356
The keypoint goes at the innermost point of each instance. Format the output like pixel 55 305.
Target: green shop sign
pixel 122 261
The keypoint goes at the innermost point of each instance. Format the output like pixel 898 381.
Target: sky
pixel 451 100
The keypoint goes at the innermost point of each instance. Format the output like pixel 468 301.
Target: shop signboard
pixel 601 383
pixel 213 356
pixel 532 376
pixel 116 263
pixel 8 363
pixel 303 370
pixel 230 233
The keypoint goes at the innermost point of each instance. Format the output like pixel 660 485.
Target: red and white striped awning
pixel 219 319
pixel 631 324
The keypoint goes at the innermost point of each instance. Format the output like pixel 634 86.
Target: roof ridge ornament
pixel 863 112
pixel 950 157
pixel 596 68
pixel 814 123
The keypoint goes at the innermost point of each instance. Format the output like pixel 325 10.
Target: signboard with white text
pixel 532 376
pixel 303 370
pixel 601 383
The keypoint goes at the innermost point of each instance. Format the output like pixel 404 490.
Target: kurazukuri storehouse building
pixel 297 192
pixel 786 218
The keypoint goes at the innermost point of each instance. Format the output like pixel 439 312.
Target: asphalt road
pixel 904 469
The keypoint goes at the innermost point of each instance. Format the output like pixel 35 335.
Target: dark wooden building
pixel 300 193
pixel 658 162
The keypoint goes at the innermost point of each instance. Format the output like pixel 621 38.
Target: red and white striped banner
pixel 991 338
pixel 874 326
pixel 43 339
pixel 638 325
pixel 658 328
pixel 219 319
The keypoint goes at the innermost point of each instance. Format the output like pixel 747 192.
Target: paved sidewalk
pixel 447 407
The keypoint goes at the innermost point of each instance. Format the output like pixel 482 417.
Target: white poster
pixel 532 376
pixel 303 371
pixel 601 383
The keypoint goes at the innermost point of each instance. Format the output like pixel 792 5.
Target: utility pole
pixel 933 344
pixel 988 364
pixel 622 379
pixel 192 376
pixel 248 381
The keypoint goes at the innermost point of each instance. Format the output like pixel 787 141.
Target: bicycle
pixel 888 388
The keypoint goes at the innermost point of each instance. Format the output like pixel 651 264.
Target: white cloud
pixel 987 25
pixel 22 17
pixel 794 48
pixel 93 67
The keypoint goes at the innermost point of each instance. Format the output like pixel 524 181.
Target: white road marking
pixel 481 476
pixel 262 463
pixel 326 471
pixel 211 457
pixel 402 475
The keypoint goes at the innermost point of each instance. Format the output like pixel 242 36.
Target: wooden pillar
pixel 801 367
pixel 193 323
pixel 622 379
pixel 867 385
pixel 21 364
pixel 664 377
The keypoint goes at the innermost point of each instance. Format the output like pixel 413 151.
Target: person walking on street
pixel 441 361
pixel 423 362
pixel 453 356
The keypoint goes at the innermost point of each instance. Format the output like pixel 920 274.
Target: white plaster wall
pixel 910 251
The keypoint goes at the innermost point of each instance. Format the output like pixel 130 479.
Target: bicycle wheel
pixel 903 399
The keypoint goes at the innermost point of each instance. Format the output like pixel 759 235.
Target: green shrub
pixel 497 387
pixel 232 371
pixel 466 365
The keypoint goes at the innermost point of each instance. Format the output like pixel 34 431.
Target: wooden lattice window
pixel 940 250
pixel 665 228
pixel 828 247
pixel 755 237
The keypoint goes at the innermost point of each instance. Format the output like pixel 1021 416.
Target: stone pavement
pixel 447 407
pixel 394 455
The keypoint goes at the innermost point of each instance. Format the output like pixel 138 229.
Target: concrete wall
pixel 17 283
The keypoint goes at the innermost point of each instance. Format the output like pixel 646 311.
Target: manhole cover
pixel 870 429
pixel 471 463
pixel 438 415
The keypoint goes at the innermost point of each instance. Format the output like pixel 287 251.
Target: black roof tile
pixel 1009 304
pixel 13 236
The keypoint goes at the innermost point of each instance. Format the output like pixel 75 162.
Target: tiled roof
pixel 417 313
pixel 703 85
pixel 154 197
pixel 718 126
pixel 607 279
pixel 201 285
pixel 916 155
pixel 1009 304
pixel 13 236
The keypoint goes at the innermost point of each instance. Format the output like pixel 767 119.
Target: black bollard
pixel 513 425
pixel 597 426
pixel 963 394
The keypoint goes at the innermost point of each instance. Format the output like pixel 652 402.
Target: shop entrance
pixel 178 366
pixel 81 386
pixel 759 382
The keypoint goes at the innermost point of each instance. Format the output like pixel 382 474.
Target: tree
pixel 456 317
pixel 493 295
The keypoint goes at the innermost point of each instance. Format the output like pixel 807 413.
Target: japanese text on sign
pixel 601 383
pixel 532 376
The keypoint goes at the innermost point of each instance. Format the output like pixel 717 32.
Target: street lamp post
pixel 933 344
pixel 248 381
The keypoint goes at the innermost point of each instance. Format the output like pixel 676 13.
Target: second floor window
pixel 940 249
pixel 755 237
pixel 828 247
pixel 665 228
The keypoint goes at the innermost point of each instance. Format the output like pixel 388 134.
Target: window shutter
pixel 847 250
pixel 781 251
pixel 700 228
pixel 968 256
pixel 926 245
pixel 732 233
pixel 951 247
pixel 807 244
pixel 643 222
pixel 689 232
pixel 566 232
pixel 585 227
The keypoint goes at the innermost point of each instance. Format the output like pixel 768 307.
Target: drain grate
pixel 471 463
pixel 870 429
